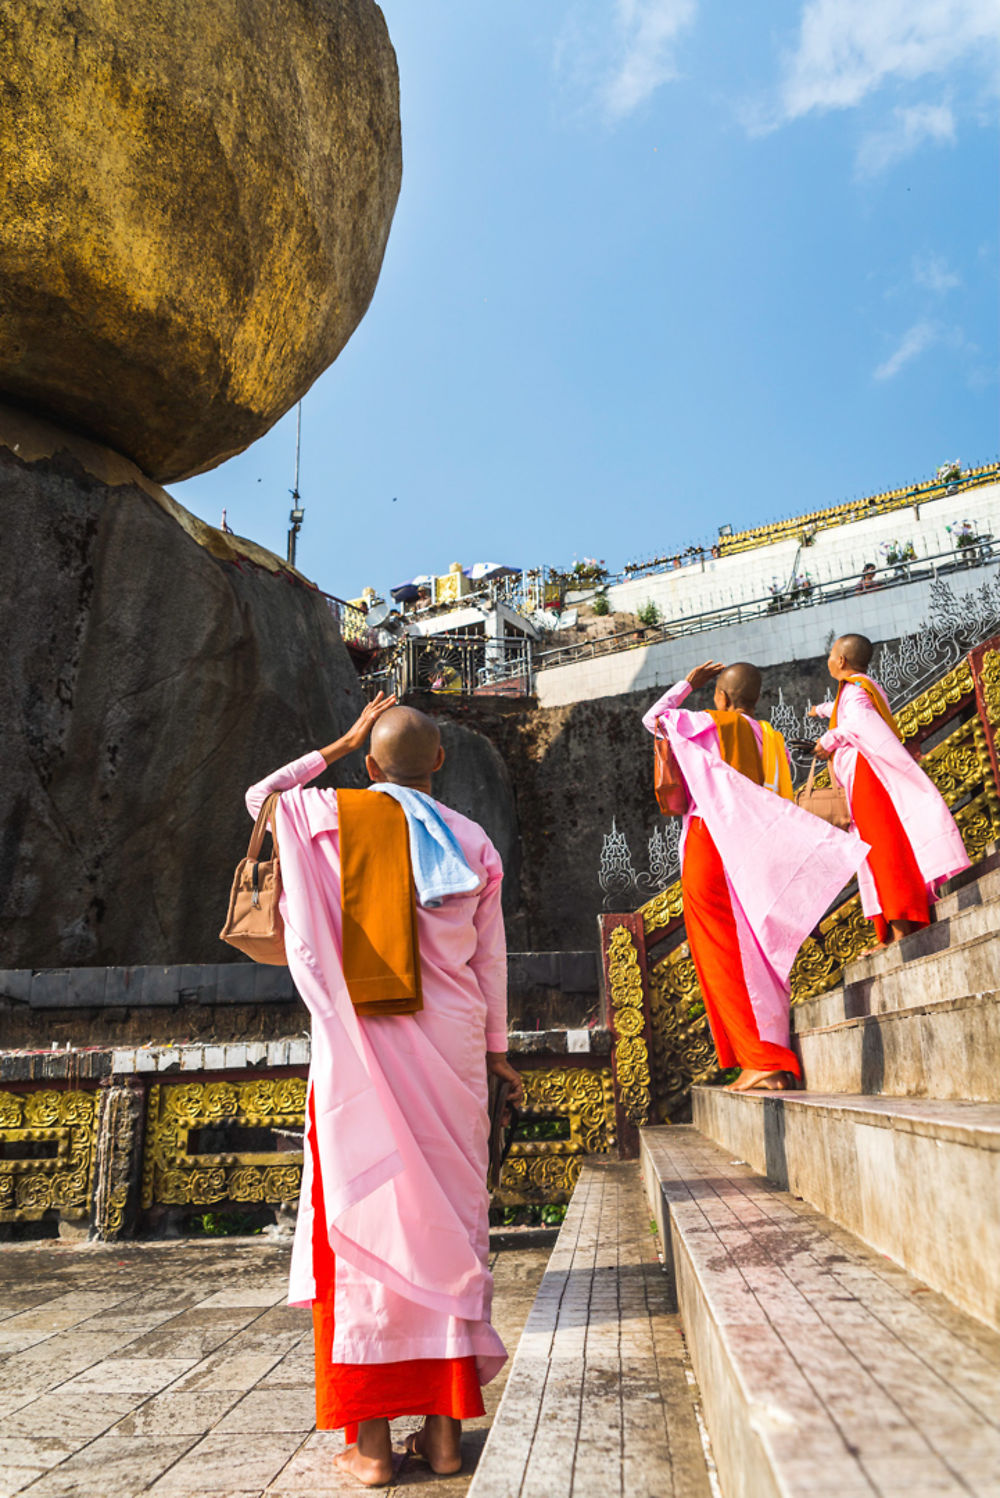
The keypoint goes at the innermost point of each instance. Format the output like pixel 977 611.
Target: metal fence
pixel 979 552
pixel 473 665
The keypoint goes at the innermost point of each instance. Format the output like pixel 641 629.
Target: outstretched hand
pixel 357 735
pixel 704 673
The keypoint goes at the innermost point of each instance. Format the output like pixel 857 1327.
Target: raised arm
pixel 676 695
pixel 301 771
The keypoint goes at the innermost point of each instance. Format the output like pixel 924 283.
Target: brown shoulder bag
pixel 254 923
pixel 668 782
pixel 828 802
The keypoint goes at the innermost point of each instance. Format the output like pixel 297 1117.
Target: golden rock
pixel 197 198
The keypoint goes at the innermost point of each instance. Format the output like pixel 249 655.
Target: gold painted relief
pixel 49 1140
pixel 171 1174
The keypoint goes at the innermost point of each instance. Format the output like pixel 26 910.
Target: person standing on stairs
pixel 914 842
pixel 757 872
pixel 394 936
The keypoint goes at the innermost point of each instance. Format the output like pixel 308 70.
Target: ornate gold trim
pixel 921 712
pixel 170 1175
pixel 543 1171
pixel 31 1187
pixel 628 1017
pixel 662 909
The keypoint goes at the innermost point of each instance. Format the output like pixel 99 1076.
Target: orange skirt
pixel 349 1392
pixel 902 890
pixel 715 951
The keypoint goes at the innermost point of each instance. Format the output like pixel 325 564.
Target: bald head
pixel 740 683
pixel 857 651
pixel 406 745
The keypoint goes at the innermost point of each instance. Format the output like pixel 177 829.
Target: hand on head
pixel 357 735
pixel 704 673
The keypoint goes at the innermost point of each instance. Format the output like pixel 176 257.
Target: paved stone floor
pixel 176 1369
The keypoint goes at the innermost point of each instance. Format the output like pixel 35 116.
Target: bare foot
pixel 899 929
pixel 373 1473
pixel 760 1081
pixel 439 1443
pixel 370 1461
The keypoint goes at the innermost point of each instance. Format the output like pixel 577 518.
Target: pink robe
pixel 401 1101
pixel 935 839
pixel 783 865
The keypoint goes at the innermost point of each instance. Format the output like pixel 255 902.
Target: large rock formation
pixel 153 668
pixel 197 196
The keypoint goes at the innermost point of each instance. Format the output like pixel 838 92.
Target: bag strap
pixel 834 782
pixel 811 776
pixel 260 827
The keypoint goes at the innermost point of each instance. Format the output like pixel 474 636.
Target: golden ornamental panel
pixel 61 1181
pixel 990 678
pixel 544 1171
pixel 662 909
pixel 628 1016
pixel 978 825
pixel 172 1175
pixel 936 701
pixel 683 1050
pixel 956 765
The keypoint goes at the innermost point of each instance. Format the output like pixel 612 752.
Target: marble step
pixel 599 1402
pixel 824 1369
pixel 916 1178
pixel 948 1048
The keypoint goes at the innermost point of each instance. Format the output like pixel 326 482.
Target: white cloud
pixel 620 70
pixel 914 342
pixel 909 129
pixel 848 48
pixel 932 273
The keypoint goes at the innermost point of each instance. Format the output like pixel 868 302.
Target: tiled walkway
pixel 175 1369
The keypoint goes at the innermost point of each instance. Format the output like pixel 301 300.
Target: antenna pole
pixel 297 515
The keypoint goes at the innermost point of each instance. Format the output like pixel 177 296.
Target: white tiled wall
pixel 767 641
pixel 839 552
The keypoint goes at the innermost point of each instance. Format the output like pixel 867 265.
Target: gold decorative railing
pixel 858 509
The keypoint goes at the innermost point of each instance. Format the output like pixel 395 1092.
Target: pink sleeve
pixel 490 961
pixel 299 772
pixel 674 697
pixel 823 709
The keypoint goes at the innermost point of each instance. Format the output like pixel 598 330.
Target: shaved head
pixel 857 650
pixel 405 745
pixel 741 683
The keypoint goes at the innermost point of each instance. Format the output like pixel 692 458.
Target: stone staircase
pixel 836 1252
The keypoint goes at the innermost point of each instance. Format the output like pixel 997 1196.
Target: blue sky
pixel 657 265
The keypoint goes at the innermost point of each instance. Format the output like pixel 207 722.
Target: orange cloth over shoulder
pixel 380 947
pixel 876 699
pixel 738 745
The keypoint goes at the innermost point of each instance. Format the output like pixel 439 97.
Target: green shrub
pixel 601 606
pixel 649 614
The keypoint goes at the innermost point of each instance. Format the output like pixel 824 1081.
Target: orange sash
pixel 380 949
pixel 876 699
pixel 738 745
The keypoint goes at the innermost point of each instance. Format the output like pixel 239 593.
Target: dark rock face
pixel 146 684
pixel 475 781
pixel 197 197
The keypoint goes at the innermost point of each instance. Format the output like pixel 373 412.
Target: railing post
pixel 627 1014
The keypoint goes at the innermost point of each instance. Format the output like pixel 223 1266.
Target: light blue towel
pixel 439 866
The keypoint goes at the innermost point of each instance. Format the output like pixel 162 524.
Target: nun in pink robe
pixel 923 816
pixel 399 1103
pixel 783 866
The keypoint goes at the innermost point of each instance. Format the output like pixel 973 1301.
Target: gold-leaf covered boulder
pixel 197 197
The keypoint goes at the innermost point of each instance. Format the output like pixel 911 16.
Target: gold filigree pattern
pixel 977 826
pixel 935 702
pixel 955 765
pixel 662 909
pixel 31 1186
pixel 990 677
pixel 683 1052
pixel 546 1170
pixel 171 1175
pixel 628 1016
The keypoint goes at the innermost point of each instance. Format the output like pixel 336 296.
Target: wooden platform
pixel 826 1371
pixel 599 1402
